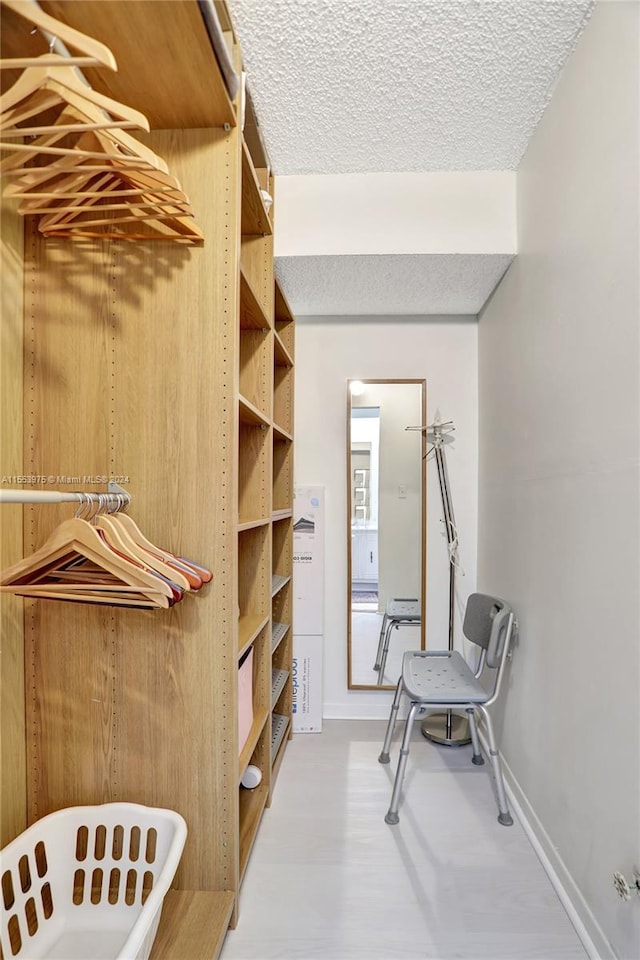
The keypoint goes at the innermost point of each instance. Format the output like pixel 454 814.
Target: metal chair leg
pixel 504 817
pixel 393 716
pixel 385 649
pixel 392 814
pixel 383 628
pixel 477 757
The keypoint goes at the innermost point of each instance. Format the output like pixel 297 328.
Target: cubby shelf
pixel 255 219
pixel 281 434
pixel 252 314
pixel 250 414
pixel 248 629
pixel 282 357
pixel 259 719
pixel 252 804
pixel 252 524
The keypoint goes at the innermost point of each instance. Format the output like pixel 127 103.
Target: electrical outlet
pixel 625 888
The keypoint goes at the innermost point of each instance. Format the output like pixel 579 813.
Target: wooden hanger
pixel 93 52
pixel 73 175
pixel 113 527
pixel 77 541
pixel 116 145
pixel 189 571
pixel 62 210
pixel 62 81
pixel 76 115
pixel 160 228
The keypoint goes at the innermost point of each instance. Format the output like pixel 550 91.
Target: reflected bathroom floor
pixel 365 634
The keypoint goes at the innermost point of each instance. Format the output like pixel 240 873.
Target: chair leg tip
pixel 478 759
pixel 383 758
pixel 392 818
pixel 505 819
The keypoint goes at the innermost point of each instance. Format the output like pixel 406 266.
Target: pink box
pixel 245 698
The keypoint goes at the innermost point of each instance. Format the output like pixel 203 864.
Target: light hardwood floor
pixel 329 880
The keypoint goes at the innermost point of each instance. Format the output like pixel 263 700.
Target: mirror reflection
pixel 386 527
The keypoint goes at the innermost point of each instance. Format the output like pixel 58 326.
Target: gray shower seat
pixel 442 678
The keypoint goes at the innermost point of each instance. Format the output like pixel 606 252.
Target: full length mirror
pixel 386 528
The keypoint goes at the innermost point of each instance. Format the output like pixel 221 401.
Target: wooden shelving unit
pixel 265 454
pixel 184 383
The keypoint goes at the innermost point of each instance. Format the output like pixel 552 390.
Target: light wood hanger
pixel 81 114
pixel 76 539
pixel 63 81
pixel 188 234
pixel 93 52
pixel 116 145
pixel 188 571
pixel 174 228
pixel 112 526
pixel 68 209
pixel 73 174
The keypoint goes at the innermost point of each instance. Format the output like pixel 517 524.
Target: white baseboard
pixel 359 711
pixel 586 926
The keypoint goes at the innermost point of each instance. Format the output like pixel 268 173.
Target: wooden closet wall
pixel 166 367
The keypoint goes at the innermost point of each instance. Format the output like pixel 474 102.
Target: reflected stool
pixel 399 612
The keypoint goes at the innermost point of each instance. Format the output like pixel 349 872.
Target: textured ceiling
pixel 389 285
pixel 344 86
pixel 363 86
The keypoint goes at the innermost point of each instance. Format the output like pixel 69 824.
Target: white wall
pixel 558 494
pixel 443 212
pixel 329 351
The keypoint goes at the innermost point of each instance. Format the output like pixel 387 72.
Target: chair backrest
pixel 486 622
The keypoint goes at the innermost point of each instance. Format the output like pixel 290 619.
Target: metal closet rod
pixel 112 495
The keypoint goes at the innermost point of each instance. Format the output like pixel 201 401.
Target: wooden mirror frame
pixel 351 685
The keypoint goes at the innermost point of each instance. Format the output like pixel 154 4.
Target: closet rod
pixel 113 495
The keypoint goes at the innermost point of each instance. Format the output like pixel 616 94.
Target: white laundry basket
pixel 87 883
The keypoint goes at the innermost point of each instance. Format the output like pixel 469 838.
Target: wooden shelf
pixel 254 566
pixel 252 524
pixel 249 414
pixel 282 470
pixel 255 219
pixel 284 514
pixel 281 356
pixel 252 316
pixel 259 720
pixel 280 434
pixel 248 629
pixel 252 804
pixel 284 319
pixel 193 924
pixel 176 85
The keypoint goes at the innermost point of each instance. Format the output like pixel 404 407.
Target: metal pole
pixel 449 728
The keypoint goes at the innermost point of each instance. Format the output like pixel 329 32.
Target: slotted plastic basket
pixel 87 883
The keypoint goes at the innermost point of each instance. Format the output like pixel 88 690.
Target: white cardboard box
pixel 308 608
pixel 308 561
pixel 307 684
